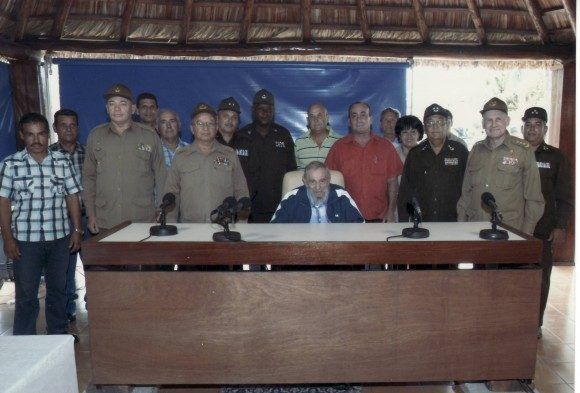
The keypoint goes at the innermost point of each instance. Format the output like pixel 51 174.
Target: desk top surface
pixel 375 232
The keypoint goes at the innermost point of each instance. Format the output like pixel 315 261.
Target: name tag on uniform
pixel 221 161
pixel 144 147
pixel 512 161
pixel 451 161
pixel 280 144
pixel 242 152
pixel 544 165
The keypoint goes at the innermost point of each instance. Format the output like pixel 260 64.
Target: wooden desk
pixel 159 327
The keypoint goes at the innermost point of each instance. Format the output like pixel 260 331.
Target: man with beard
pixel 317 201
pixel 271 156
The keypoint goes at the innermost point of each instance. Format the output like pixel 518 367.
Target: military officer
pixel 228 121
pixel 205 172
pixel 557 190
pixel 123 166
pixel 504 166
pixel 433 171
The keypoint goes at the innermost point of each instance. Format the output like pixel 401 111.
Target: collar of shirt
pixel 373 139
pixel 58 146
pixel 180 143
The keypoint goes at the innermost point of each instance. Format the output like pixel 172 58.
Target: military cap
pixel 119 90
pixel 537 112
pixel 494 104
pixel 263 97
pixel 202 107
pixel 434 109
pixel 229 104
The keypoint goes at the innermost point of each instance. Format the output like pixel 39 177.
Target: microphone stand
pixel 163 229
pixel 416 232
pixel 226 235
pixel 494 233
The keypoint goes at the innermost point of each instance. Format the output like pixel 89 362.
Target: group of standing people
pixel 127 166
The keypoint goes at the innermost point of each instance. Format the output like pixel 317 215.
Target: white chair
pixel 294 179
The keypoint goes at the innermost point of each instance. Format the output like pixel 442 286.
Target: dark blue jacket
pixel 295 207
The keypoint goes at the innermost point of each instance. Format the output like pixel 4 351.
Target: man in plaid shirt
pixel 37 187
pixel 66 126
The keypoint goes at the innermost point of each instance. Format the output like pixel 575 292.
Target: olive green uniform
pixel 510 173
pixel 201 182
pixel 121 174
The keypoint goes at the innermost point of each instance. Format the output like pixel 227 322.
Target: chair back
pixel 293 179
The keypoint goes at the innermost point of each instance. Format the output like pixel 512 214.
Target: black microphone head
pixel 229 202
pixel 487 197
pixel 410 209
pixel 169 198
pixel 244 203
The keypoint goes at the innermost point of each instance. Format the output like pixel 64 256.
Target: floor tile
pixel 564 370
pixel 559 388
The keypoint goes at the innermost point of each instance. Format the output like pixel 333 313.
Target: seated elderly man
pixel 317 201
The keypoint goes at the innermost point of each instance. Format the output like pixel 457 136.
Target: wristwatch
pixel 80 231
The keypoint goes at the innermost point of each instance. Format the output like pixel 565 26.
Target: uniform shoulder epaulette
pixel 521 142
pixel 143 126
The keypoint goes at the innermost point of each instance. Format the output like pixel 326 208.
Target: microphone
pixel 168 200
pixel 414 210
pixel 227 205
pixel 244 203
pixel 163 229
pixel 496 217
pixel 223 215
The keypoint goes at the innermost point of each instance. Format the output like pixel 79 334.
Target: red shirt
pixel 366 171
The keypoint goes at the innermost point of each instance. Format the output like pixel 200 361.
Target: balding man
pixel 315 144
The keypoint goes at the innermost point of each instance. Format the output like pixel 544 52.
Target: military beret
pixel 229 104
pixel 119 90
pixel 434 109
pixel 263 97
pixel 202 107
pixel 494 104
pixel 537 112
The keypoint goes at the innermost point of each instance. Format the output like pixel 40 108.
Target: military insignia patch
pixel 280 144
pixel 451 161
pixel 511 161
pixel 144 147
pixel 545 165
pixel 221 161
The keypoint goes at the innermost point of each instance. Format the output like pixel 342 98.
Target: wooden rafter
pixel 363 20
pixel 539 24
pixel 570 7
pixel 421 23
pixel 306 16
pixel 23 15
pixel 60 19
pixel 187 10
pixel 248 14
pixel 477 22
pixel 126 21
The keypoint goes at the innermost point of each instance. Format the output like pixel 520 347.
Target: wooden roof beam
pixel 60 20
pixel 363 20
pixel 306 17
pixel 245 28
pixel 570 7
pixel 187 9
pixel 23 15
pixel 126 21
pixel 477 22
pixel 534 12
pixel 421 23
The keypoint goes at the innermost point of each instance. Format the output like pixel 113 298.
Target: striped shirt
pixel 168 154
pixel 306 150
pixel 37 192
pixel 76 158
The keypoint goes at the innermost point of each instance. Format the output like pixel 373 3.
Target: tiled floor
pixel 554 368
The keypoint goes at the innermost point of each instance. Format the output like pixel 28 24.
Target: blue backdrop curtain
pixel 7 127
pixel 180 85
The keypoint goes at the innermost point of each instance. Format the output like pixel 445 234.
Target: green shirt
pixel 306 150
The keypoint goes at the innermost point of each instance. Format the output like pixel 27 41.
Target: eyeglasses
pixel 205 125
pixel 438 123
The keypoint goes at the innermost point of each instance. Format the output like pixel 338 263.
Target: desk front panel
pixel 312 327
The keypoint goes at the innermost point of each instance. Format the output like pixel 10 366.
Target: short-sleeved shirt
pixel 434 179
pixel 168 154
pixel 510 173
pixel 201 182
pixel 366 171
pixel 122 173
pixel 307 150
pixel 271 156
pixel 37 193
pixel 557 189
pixel 241 144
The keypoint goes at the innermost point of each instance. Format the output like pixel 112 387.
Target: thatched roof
pixel 175 26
